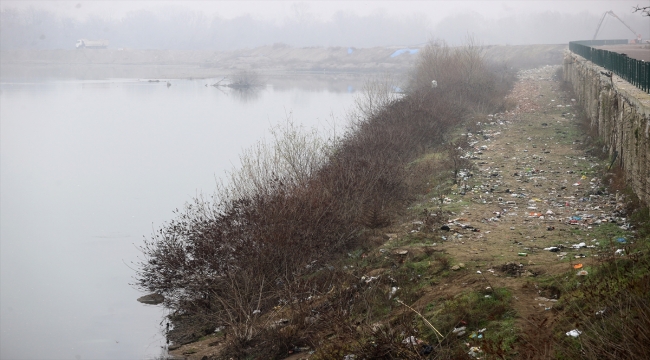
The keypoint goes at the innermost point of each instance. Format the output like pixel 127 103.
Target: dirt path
pixel 533 189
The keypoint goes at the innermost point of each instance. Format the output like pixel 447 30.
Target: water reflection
pixel 336 83
pixel 246 95
pixel 90 167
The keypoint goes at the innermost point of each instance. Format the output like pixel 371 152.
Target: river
pixel 89 168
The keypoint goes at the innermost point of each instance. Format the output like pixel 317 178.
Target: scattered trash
pixel 393 291
pixel 552 249
pixel 405 51
pixel 459 331
pixel 426 349
pixel 574 333
pixel 512 268
pixel 522 254
pixel 275 324
pixel 541 298
pixel 582 273
pixel 474 351
pixel 297 350
pixel 411 340
pixel 621 240
pixel 620 252
pixel 368 279
pixel 577 266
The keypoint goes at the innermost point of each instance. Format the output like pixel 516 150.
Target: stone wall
pixel 621 114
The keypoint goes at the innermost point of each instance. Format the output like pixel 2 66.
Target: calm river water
pixel 88 168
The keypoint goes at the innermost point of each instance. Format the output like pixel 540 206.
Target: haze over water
pixel 88 169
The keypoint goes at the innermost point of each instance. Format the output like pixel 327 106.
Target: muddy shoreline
pixel 164 64
pixel 275 61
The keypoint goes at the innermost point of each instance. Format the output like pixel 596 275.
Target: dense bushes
pixel 299 202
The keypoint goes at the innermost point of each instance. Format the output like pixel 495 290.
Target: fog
pixel 98 147
pixel 224 25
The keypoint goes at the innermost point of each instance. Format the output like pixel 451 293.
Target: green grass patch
pixel 610 306
pixel 488 318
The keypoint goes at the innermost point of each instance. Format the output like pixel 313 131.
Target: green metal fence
pixel 636 72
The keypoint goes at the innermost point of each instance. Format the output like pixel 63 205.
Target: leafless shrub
pixel 457 159
pixel 645 10
pixel 465 79
pixel 245 79
pixel 375 95
pixel 260 243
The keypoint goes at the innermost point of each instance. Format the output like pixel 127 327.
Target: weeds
pixel 261 248
pixel 611 309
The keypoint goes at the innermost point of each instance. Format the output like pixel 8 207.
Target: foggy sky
pixel 227 25
pixel 278 11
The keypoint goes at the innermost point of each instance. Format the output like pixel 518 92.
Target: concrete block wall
pixel 621 114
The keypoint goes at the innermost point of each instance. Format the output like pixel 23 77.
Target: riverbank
pixel 299 204
pixel 489 266
pixel 276 60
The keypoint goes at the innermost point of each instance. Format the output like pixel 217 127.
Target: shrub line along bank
pixel 254 248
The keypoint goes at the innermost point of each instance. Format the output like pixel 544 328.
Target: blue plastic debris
pixel 404 51
pixel 621 240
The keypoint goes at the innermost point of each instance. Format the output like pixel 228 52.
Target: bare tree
pixel 245 79
pixel 645 10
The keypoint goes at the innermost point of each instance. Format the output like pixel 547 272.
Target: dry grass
pixel 260 249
